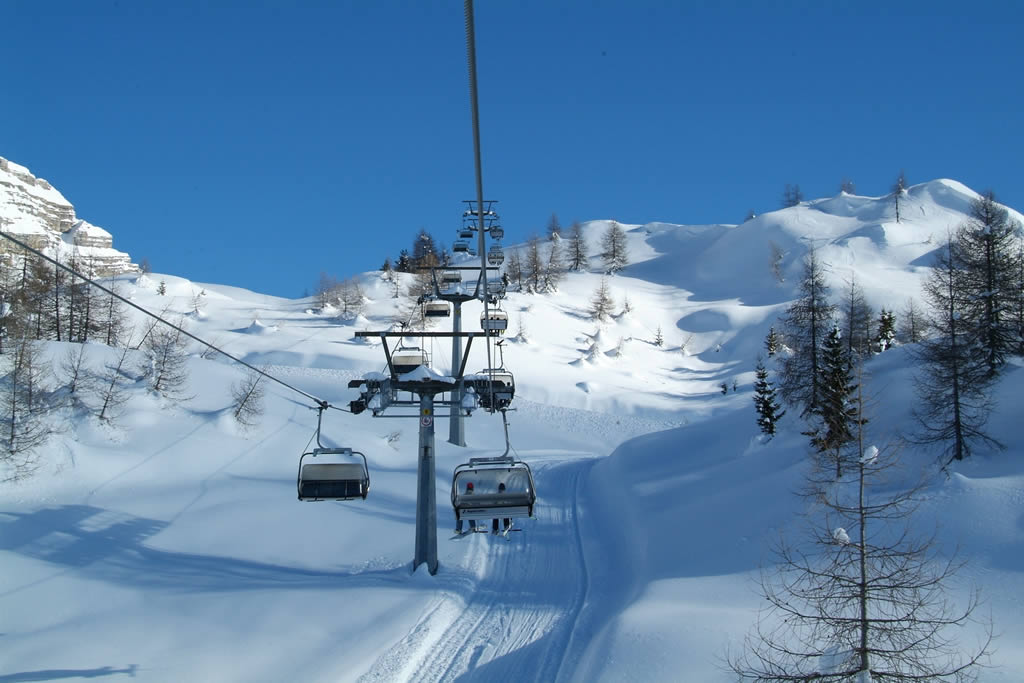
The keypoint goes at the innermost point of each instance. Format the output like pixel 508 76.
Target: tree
pixel 886 337
pixel 161 289
pixel 24 429
pixel 768 409
pixel 112 317
pixel 804 329
pixel 554 228
pixel 577 248
pixel 145 267
pixel 986 249
pixel 776 262
pixel 601 303
pixel 899 188
pixel 167 367
pixel 404 263
pixel 514 268
pixel 791 196
pixel 912 323
pixel 114 389
pixel 659 338
pixel 861 598
pixel 772 342
pixel 952 383
pixel 247 395
pixel 326 290
pixel 424 250
pixel 533 267
pixel 614 251
pixel 836 413
pixel 857 316
pixel 77 379
pixel 350 295
pixel 847 186
pixel 554 268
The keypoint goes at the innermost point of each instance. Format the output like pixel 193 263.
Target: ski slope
pixel 170 546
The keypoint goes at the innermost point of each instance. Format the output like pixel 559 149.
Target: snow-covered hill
pixel 171 547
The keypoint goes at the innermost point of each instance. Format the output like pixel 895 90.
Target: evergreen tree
pixel 986 249
pixel 771 343
pixel 614 251
pixel 659 338
pixel 768 409
pixel 847 186
pixel 577 248
pixel 886 337
pixel 424 250
pixel 404 263
pixel 805 327
pixel 836 413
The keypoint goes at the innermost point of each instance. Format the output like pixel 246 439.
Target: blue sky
pixel 259 143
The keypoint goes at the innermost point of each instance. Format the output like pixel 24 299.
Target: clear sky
pixel 259 143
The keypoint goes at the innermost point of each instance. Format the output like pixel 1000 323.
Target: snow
pixel 172 547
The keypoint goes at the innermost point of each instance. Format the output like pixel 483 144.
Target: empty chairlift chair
pixel 494 320
pixel 340 474
pixel 502 488
pixel 495 255
pixel 437 309
pixel 496 231
pixel 408 358
pixel 465 232
pixel 460 246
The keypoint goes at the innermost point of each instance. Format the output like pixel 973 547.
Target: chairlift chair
pixel 497 232
pixel 495 255
pixel 466 232
pixel 486 501
pixel 408 358
pixel 460 246
pixel 494 388
pixel 437 309
pixel 451 277
pixel 340 476
pixel 494 320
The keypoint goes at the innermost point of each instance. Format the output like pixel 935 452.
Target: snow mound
pixel 259 328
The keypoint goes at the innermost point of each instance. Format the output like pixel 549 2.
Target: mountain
pixel 170 544
pixel 37 213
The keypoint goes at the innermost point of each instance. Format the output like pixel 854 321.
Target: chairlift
pixel 494 320
pixel 460 246
pixel 495 388
pixel 451 277
pixel 501 488
pixel 497 232
pixel 465 232
pixel 408 358
pixel 495 255
pixel 437 309
pixel 341 477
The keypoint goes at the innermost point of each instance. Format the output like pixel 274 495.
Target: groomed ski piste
pixel 170 546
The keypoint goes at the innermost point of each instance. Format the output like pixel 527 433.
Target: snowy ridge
pixel 171 545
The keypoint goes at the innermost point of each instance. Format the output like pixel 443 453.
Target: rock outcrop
pixel 36 213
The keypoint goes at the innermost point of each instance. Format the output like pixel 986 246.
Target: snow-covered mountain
pixel 37 213
pixel 171 546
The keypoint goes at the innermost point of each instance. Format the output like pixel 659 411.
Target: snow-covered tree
pixel 577 248
pixel 834 418
pixel 885 339
pixel 166 369
pixel 247 396
pixel 771 342
pixel 613 248
pixel 601 303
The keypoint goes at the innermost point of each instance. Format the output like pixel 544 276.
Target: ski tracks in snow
pixel 510 607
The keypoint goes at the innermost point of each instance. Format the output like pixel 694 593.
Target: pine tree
pixel 659 338
pixel 835 416
pixel 771 343
pixel 768 409
pixel 886 337
pixel 791 196
pixel 805 327
pixel 857 316
pixel 899 188
pixel 613 248
pixel 577 248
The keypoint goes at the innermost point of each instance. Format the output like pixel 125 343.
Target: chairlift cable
pixel 318 401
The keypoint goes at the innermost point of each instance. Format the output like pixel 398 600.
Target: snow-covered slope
pixel 171 547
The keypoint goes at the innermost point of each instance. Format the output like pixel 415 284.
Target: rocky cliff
pixel 34 212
